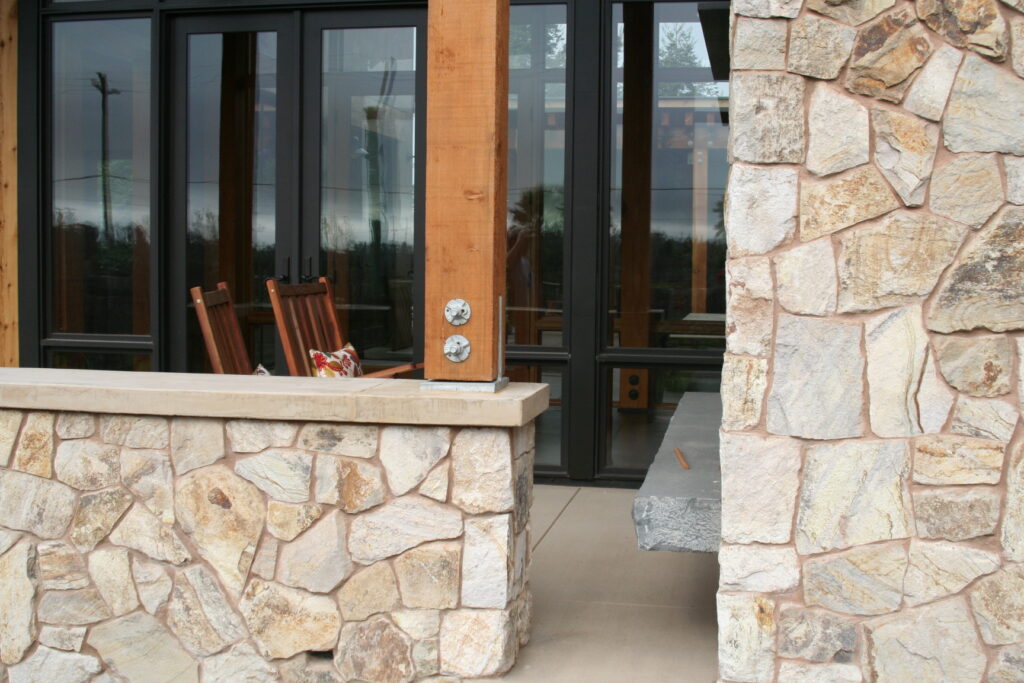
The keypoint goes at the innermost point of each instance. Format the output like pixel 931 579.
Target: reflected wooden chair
pixel 221 331
pixel 307 319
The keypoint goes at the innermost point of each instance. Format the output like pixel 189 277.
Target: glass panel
pixel 367 180
pixel 548 450
pixel 100 173
pixel 669 168
pixel 536 179
pixel 100 360
pixel 231 180
pixel 643 401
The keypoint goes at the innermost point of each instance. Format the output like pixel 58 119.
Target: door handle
pixel 308 276
pixel 287 270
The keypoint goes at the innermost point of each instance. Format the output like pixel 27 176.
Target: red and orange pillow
pixel 341 363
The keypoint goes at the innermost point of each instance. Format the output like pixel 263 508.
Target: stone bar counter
pixel 226 528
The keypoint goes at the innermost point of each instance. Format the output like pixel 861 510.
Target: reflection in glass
pixel 231 180
pixel 100 360
pixel 99 174
pixel 548 435
pixel 536 179
pixel 669 136
pixel 367 179
pixel 636 433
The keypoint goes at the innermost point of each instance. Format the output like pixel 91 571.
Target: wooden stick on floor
pixel 682 460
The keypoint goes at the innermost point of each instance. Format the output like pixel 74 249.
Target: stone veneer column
pixel 872 455
pixel 234 548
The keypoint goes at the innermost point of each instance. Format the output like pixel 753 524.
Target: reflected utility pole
pixel 101 84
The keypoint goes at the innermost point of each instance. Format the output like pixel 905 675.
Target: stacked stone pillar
pixel 872 450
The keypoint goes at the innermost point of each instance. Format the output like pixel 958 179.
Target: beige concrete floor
pixel 604 611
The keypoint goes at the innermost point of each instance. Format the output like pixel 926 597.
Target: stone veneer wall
pixel 872 457
pixel 174 549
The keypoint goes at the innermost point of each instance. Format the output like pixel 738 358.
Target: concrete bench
pixel 678 509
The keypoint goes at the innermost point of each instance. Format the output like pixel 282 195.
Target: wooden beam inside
pixel 8 183
pixel 466 184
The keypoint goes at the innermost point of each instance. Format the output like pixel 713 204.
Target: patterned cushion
pixel 342 363
pixel 261 371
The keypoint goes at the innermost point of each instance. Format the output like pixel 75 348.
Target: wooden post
pixel 467 143
pixel 8 183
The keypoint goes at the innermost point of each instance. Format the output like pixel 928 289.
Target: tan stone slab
pixel 388 401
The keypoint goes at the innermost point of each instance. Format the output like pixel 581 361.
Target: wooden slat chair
pixel 221 331
pixel 307 319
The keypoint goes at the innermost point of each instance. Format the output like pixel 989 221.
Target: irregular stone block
pixel 767 8
pixel 927 96
pixel 97 513
pixel 806 278
pixel 998 604
pixel 976 24
pixel 199 613
pixel 932 643
pixel 816 634
pixel 749 308
pixel 425 657
pixel 353 440
pixel 895 261
pixel 486 560
pixel 429 575
pixel 799 672
pixel 264 565
pixel 482 470
pixel 135 431
pixel 399 525
pixel 75 607
pixel 817 47
pixel 76 425
pixel 240 663
pixel 956 514
pixel 374 650
pixel 67 638
pixel 830 150
pixel 759 44
pixel 938 569
pixel 252 436
pixel 281 474
pixel 934 398
pixel 371 591
pixel 10 423
pixel 767 118
pixel 152 583
pixel 744 380
pixel 864 580
pixel 139 648
pixel 196 442
pixel 746 637
pixel 18 576
pixel 758 568
pixel 852 12
pixel 979 366
pixel 760 479
pixel 973 122
pixel 477 642
pixel 1008 666
pixel 224 515
pixel 896 345
pixel 318 560
pixel 1017 52
pixel 886 53
pixel 761 209
pixel 418 623
pixel 817 391
pixel 285 621
pixel 148 475
pixel 853 492
pixel 1013 522
pixel 286 521
pixel 985 418
pixel 60 567
pixel 352 485
pixel 853 197
pixel 46 664
pixel 409 453
pixel 112 575
pixel 904 152
pixel 947 459
pixel 86 465
pixel 34 453
pixel 40 506
pixel 967 189
pixel 1014 169
pixel 141 530
pixel 435 485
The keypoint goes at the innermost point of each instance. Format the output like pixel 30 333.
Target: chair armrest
pixel 397 370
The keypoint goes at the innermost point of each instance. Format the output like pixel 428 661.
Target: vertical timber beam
pixel 466 184
pixel 8 183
